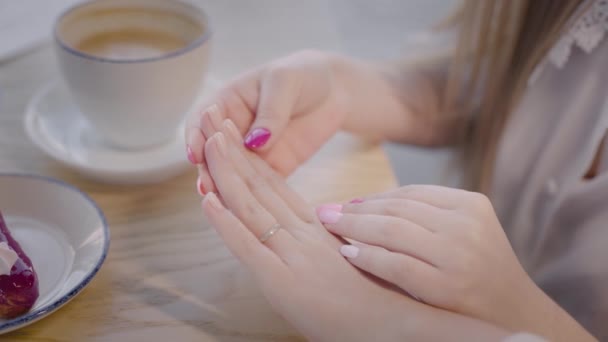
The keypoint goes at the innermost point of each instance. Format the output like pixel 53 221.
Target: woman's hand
pixel 446 247
pixel 288 109
pixel 299 268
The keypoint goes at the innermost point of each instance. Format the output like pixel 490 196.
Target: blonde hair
pixel 501 41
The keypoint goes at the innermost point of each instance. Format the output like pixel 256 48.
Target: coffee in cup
pixel 133 67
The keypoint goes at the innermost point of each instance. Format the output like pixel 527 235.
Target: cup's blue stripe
pixel 191 46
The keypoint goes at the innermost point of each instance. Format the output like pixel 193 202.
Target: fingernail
pixel 205 178
pixel 349 251
pixel 257 138
pixel 213 201
pixel 328 215
pixel 199 187
pixel 356 200
pixel 214 116
pixel 190 155
pixel 220 143
pixel 231 127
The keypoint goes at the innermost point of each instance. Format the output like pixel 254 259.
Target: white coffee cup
pixel 133 67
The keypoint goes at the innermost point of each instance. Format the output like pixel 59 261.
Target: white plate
pixel 55 125
pixel 62 231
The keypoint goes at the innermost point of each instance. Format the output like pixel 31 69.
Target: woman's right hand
pixel 286 110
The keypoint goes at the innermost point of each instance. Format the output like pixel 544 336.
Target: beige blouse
pixel 556 220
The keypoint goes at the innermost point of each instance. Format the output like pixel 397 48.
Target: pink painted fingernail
pixel 356 200
pixel 257 138
pixel 349 251
pixel 328 215
pixel 190 155
pixel 199 187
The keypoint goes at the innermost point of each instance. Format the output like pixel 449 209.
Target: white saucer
pixel 62 231
pixel 56 126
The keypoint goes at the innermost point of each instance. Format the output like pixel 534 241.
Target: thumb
pixel 276 102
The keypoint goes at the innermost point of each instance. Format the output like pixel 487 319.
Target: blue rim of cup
pixel 191 46
pixel 37 314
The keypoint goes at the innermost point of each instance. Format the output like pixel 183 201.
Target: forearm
pixel 538 315
pixel 545 317
pixel 439 325
pixel 400 102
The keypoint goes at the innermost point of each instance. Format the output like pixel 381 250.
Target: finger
pixel 239 240
pixel 209 125
pixel 236 100
pixel 204 183
pixel 195 148
pixel 435 195
pixel 295 202
pixel 422 214
pixel 259 185
pixel 239 199
pixel 277 97
pixel 391 233
pixel 286 158
pixel 195 135
pixel 195 140
pixel 212 120
pixel 410 274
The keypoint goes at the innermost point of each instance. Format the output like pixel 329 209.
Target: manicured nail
pixel 214 116
pixel 328 215
pixel 257 138
pixel 199 187
pixel 190 155
pixel 356 200
pixel 220 143
pixel 213 201
pixel 234 132
pixel 349 251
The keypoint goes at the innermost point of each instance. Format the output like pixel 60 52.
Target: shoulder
pixel 584 33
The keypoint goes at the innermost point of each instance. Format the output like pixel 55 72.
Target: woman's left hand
pixel 296 263
pixel 444 246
